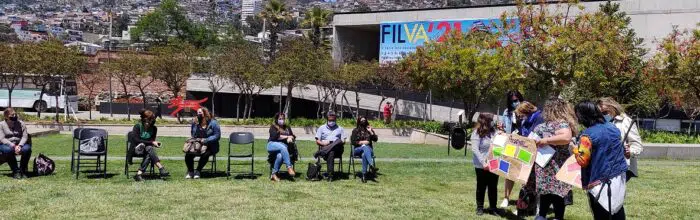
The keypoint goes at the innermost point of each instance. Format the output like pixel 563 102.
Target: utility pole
pixel 109 57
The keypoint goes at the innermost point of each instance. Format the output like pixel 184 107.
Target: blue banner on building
pixel 397 39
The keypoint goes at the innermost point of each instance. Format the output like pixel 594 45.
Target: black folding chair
pixel 352 162
pixel 126 158
pixel 339 157
pixel 212 168
pixel 241 138
pixel 84 134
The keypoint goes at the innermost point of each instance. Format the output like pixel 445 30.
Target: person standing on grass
pixel 388 110
pixel 207 132
pixel 159 108
pixel 484 130
pixel 559 127
pixel 602 158
pixel 15 141
pixel 143 142
pixel 281 137
pixel 362 138
pixel 329 138
pixel 613 112
pixel 509 124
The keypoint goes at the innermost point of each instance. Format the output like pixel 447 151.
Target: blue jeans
pixel 280 149
pixel 366 153
pixel 25 151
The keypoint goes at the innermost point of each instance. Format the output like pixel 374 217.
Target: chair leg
pixel 126 168
pixel 77 168
pixel 97 168
pixel 72 161
pixel 104 175
pixel 228 168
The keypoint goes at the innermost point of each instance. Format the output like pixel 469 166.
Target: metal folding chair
pixel 126 159
pixel 241 138
pixel 77 155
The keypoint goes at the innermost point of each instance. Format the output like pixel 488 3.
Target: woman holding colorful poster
pixel 509 124
pixel 560 125
pixel 602 158
pixel 480 143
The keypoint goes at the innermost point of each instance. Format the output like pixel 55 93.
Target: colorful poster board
pixel 398 39
pixel 513 158
pixel 570 172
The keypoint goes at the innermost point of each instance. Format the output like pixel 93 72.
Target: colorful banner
pixel 398 39
pixel 512 157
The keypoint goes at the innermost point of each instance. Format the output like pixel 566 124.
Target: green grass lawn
pixel 416 190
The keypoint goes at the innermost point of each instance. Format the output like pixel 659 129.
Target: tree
pixel 297 65
pixel 7 34
pixel 55 62
pixel 255 25
pixel 121 24
pixel 142 78
pixel 171 20
pixel 275 14
pixel 126 70
pixel 316 18
pixel 249 77
pixel 173 65
pixel 356 76
pixel 471 67
pixel 14 63
pixel 675 70
pixel 90 83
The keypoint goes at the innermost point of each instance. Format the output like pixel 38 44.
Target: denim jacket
pixel 508 118
pixel 607 155
pixel 212 134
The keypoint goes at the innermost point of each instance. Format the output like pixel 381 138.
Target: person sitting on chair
pixel 329 138
pixel 15 141
pixel 205 130
pixel 281 138
pixel 362 138
pixel 143 142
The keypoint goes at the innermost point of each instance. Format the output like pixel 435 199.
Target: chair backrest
pixel 92 132
pixel 241 138
pixel 76 132
pixel 127 139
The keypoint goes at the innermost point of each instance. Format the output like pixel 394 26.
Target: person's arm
pixel 193 130
pixel 354 138
pixel 155 134
pixel 289 130
pixel 475 139
pixel 216 133
pixel 318 136
pixel 635 140
pixel 561 137
pixel 25 134
pixel 373 137
pixel 3 139
pixel 342 135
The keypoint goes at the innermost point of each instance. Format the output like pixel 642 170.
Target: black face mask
pixel 14 118
pixel 200 117
pixel 364 123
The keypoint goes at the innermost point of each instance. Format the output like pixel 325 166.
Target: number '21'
pixel 445 27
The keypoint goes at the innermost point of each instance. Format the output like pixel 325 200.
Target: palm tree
pixel 275 13
pixel 317 18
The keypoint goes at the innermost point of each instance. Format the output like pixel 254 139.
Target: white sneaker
pixel 188 176
pixel 196 174
pixel 504 204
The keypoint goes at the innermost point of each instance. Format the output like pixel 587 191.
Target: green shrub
pixel 669 137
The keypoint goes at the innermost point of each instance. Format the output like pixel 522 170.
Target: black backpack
pixel 314 171
pixel 43 165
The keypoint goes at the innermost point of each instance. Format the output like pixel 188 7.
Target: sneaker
pixel 479 211
pixel 504 204
pixel 138 178
pixel 291 172
pixel 196 174
pixel 17 175
pixel 165 173
pixel 189 175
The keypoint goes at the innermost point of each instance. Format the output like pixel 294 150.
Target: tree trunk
pixel 41 99
pixel 90 103
pixel 245 107
pixel 252 100
pixel 57 108
pixel 288 106
pixel 320 104
pixel 213 95
pixel 143 95
pixel 357 103
pixel 238 107
pixel 9 98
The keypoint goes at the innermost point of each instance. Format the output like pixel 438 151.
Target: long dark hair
pixel 589 114
pixel 509 101
pixel 484 125
pixel 361 130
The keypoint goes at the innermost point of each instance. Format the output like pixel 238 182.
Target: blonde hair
pixel 559 110
pixel 525 108
pixel 612 104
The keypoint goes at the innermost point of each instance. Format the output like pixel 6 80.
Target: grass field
pixel 440 188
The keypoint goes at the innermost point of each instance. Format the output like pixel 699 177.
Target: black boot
pixel 163 172
pixel 363 178
pixel 138 178
pixel 17 175
pixel 479 210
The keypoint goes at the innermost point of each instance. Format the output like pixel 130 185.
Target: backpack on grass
pixel 314 172
pixel 43 165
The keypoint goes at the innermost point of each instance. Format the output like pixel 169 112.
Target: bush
pixel 669 137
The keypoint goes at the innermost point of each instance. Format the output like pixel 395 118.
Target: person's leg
pixel 506 192
pixel 545 202
pixel 189 161
pixel 278 163
pixel 599 211
pixel 26 153
pixel 480 187
pixel 357 152
pixel 620 215
pixel 203 160
pixel 559 206
pixel 366 158
pixel 492 189
pixel 273 149
pixel 329 162
pixel 9 153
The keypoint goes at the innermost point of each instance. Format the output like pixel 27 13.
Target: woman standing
pixel 143 140
pixel 362 138
pixel 601 156
pixel 509 125
pixel 205 129
pixel 485 180
pixel 559 127
pixel 281 137
pixel 613 112
pixel 15 141
pixel 531 117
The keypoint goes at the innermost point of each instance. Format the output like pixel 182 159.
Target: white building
pixel 250 8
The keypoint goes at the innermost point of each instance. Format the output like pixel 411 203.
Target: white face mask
pixel 280 122
pixel 331 123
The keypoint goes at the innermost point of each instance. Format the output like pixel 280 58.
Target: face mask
pixel 200 117
pixel 280 122
pixel 14 118
pixel 331 123
pixel 607 117
pixel 364 123
pixel 515 104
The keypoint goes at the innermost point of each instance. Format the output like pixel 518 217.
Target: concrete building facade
pixel 250 8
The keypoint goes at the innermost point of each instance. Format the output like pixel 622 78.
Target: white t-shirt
pixel 618 188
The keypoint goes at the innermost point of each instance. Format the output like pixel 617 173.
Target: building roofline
pixel 461 7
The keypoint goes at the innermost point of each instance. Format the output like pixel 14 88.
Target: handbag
pixel 313 172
